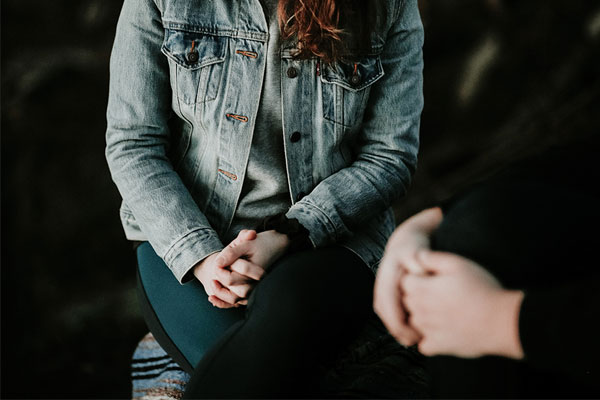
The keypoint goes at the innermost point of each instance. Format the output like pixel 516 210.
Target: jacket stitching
pixel 260 36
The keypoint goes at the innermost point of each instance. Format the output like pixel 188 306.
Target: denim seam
pixel 236 34
pixel 183 239
pixel 329 225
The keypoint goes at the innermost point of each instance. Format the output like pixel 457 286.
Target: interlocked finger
pixel 248 269
pixel 241 291
pixel 223 293
pixel 215 301
pixel 228 277
pixel 234 251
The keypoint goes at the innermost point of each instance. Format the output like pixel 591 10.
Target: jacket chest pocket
pixel 196 64
pixel 346 87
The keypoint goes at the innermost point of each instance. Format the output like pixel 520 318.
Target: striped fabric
pixel 374 366
pixel 154 374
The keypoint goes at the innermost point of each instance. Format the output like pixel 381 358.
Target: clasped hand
pixel 443 302
pixel 230 275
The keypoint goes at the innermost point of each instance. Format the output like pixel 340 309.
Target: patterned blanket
pixel 374 366
pixel 154 374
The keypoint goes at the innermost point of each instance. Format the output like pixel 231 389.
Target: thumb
pixel 232 252
pixel 247 234
pixel 439 262
pixel 427 220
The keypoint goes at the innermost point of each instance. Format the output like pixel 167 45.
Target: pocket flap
pixel 355 75
pixel 193 50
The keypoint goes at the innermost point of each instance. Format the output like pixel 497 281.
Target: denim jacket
pixel 185 84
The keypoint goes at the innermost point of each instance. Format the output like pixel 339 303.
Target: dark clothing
pixel 169 307
pixel 534 227
pixel 301 314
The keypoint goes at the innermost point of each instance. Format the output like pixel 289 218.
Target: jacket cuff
pixel 190 250
pixel 321 230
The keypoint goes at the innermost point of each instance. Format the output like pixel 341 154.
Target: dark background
pixel 503 80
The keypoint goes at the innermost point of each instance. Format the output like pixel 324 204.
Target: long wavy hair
pixel 328 29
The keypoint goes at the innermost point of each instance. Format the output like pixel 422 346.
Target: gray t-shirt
pixel 265 190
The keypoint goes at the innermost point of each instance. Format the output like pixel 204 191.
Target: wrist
pixel 283 239
pixel 199 270
pixel 296 235
pixel 508 342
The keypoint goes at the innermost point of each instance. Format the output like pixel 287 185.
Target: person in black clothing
pixel 501 285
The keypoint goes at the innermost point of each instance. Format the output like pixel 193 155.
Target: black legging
pixel 299 316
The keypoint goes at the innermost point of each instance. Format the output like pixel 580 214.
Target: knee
pixel 292 285
pixel 317 285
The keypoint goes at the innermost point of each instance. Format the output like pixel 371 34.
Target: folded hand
pixel 398 260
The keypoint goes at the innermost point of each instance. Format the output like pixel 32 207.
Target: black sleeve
pixel 558 327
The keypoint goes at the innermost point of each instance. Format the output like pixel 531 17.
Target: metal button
pixel 300 196
pixel 292 72
pixel 294 137
pixel 192 57
pixel 355 80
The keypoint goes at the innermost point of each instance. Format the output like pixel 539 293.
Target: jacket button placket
pixel 235 138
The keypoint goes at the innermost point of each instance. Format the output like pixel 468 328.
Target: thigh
pixel 180 316
pixel 303 312
pixel 324 287
pixel 524 230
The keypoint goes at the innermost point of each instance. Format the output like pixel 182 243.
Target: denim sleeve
pixel 389 141
pixel 137 141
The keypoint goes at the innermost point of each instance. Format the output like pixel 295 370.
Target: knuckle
pixel 414 320
pixel 231 298
pixel 225 278
pixel 377 308
pixel 244 290
pixel 225 255
pixel 226 298
pixel 425 348
pixel 408 288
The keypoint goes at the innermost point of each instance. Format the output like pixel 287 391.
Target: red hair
pixel 317 25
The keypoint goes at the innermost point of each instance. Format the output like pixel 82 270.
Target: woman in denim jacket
pixel 258 147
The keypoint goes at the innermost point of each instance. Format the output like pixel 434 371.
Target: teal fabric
pixel 171 302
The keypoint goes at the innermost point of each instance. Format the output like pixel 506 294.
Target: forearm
pixel 138 137
pixel 557 327
pixel 165 211
pixel 386 148
pixel 340 203
pixel 503 333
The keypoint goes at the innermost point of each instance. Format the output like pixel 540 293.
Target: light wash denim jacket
pixel 185 84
